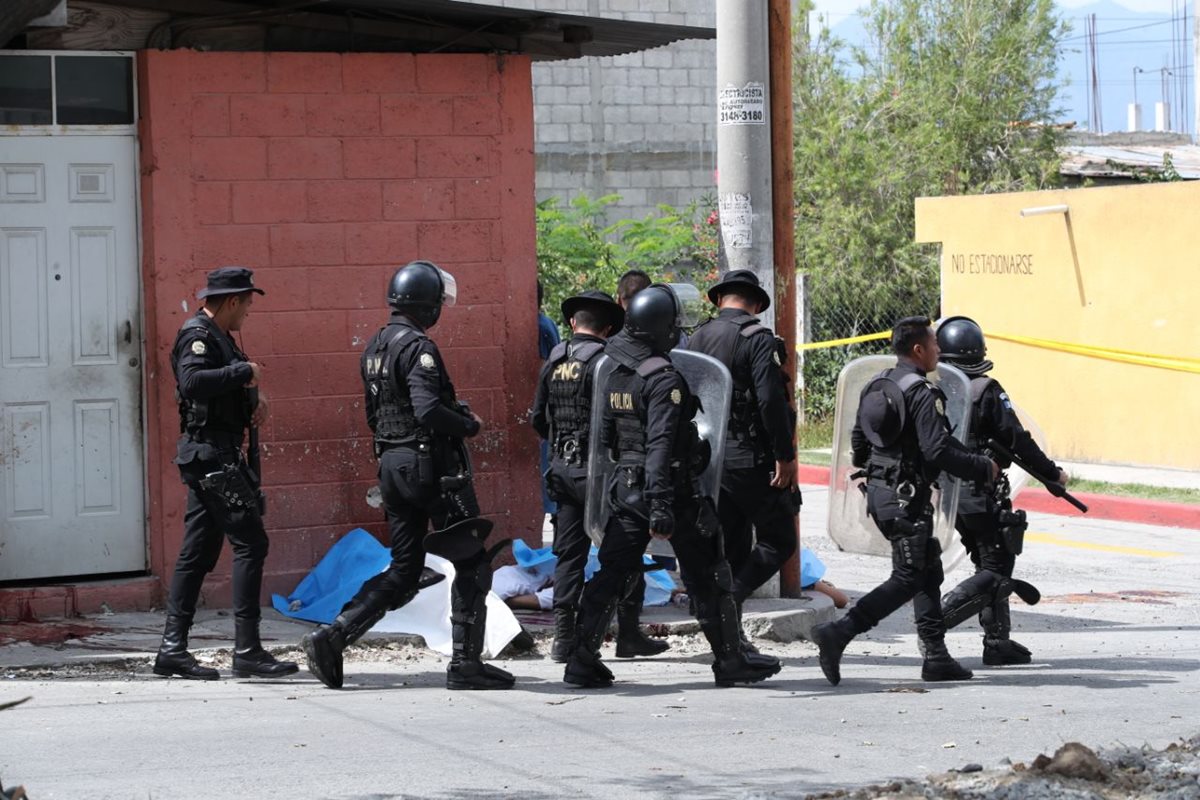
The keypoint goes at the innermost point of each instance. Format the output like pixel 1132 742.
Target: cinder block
pixel 267 114
pixel 210 115
pixel 231 158
pixel 343 115
pixel 380 157
pixel 566 113
pixel 381 242
pixel 658 57
pixel 644 113
pixel 287 290
pixel 269 201
pixel 307 243
pixel 617 115
pixel 674 114
pixel 345 201
pixel 455 241
pixel 211 201
pixel 304 72
pixel 476 199
pixel 304 158
pixel 454 157
pixel 422 199
pixel 216 245
pixel 417 115
pixel 343 287
pixel 580 132
pixel 579 95
pixel 377 73
pixel 228 72
pixel 476 116
pixel 444 73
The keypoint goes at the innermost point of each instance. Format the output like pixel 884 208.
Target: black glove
pixel 662 518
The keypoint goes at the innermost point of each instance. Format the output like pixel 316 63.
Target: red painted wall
pixel 324 172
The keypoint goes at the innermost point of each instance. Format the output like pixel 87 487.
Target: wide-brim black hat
pixel 229 280
pixel 599 300
pixel 460 541
pixel 742 279
pixel 882 412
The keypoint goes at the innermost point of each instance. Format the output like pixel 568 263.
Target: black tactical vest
pixel 388 400
pixel 626 420
pixel 901 460
pixel 570 396
pixel 979 385
pixel 228 413
pixel 720 339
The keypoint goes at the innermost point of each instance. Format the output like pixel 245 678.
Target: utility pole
pixel 755 167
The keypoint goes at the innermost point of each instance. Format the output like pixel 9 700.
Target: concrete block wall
pixel 324 172
pixel 642 125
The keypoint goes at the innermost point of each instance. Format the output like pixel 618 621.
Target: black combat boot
pixel 250 660
pixel 722 627
pixel 173 657
pixel 831 639
pixel 467 669
pixel 584 667
pixel 323 649
pixel 746 645
pixel 998 649
pixel 631 642
pixel 939 665
pixel 564 634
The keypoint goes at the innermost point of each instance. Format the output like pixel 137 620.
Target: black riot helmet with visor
pixel 961 342
pixel 655 316
pixel 420 289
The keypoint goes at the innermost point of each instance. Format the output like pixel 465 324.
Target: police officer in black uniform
pixel 217 391
pixel 990 529
pixel 758 482
pixel 424 476
pixel 562 411
pixel 902 442
pixel 649 430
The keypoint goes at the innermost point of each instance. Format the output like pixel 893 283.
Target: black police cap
pixel 742 279
pixel 229 280
pixel 598 300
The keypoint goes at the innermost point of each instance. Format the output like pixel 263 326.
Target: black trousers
pixel 759 527
pixel 980 534
pixel 625 540
pixel 410 506
pixel 206 523
pixel 916 568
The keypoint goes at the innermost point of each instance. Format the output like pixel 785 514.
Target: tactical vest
pixel 228 413
pixel 720 338
pixel 627 420
pixel 900 461
pixel 570 397
pixel 979 385
pixel 388 399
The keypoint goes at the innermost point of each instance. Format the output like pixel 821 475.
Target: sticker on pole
pixel 744 106
pixel 737 220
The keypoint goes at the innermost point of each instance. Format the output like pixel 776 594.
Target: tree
pixel 945 97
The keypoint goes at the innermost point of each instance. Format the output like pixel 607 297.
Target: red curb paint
pixel 1100 506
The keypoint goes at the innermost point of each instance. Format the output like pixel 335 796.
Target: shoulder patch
pixel 776 358
pixel 676 396
pixel 199 347
pixel 427 361
pixel 940 406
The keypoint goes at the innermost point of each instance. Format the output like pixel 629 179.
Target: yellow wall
pixel 1133 283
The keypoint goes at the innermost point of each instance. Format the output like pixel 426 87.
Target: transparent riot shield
pixel 708 380
pixel 849 526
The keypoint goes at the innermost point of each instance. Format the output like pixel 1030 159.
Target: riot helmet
pixel 961 342
pixel 654 316
pixel 419 289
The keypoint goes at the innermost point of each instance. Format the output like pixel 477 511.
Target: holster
pixel 1012 530
pixel 230 487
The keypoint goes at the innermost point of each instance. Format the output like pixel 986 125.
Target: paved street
pixel 1116 658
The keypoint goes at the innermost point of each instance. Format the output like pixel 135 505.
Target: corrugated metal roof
pixel 435 26
pixel 1103 161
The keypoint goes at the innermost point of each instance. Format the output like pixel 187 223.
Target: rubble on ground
pixel 1074 772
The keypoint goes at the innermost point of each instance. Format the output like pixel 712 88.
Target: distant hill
pixel 1127 39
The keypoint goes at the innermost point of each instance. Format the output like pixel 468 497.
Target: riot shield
pixel 708 380
pixel 849 526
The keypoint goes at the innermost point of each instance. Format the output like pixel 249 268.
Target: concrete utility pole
pixel 744 140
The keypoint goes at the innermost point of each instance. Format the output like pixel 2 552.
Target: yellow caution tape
pixel 1177 363
pixel 867 337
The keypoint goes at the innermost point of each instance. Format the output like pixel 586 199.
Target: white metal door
pixel 71 480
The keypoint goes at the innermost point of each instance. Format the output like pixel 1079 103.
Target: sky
pixel 1125 43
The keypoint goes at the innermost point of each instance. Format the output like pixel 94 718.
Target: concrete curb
pixel 1100 506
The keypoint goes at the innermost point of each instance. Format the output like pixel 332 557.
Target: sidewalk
pixel 128 641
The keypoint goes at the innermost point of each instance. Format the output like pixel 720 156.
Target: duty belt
pixel 897 477
pixel 571 450
pixel 222 440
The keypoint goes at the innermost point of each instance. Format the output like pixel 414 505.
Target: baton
pixel 1052 486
